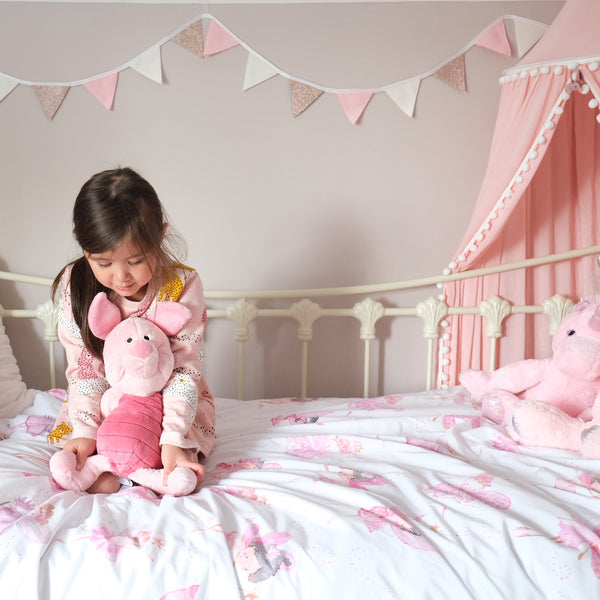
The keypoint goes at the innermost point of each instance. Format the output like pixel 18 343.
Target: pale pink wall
pixel 264 200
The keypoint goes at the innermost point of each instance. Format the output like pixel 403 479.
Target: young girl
pixel 119 223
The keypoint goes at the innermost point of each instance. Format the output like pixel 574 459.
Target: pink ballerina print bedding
pixel 405 496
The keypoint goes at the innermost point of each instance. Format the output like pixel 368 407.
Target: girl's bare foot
pixel 107 483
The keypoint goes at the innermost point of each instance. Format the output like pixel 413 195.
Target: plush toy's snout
pixel 137 356
pixel 141 349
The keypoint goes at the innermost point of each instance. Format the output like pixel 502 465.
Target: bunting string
pixel 303 93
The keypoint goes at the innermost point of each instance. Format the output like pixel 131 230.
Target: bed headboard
pixel 307 307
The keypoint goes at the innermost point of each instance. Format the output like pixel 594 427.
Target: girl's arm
pixel 188 417
pixel 85 374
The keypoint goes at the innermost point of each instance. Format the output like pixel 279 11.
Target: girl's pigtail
pixel 84 288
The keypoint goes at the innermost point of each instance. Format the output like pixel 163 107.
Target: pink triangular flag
pixel 495 39
pixel 103 89
pixel 453 73
pixel 51 97
pixel 354 104
pixel 218 39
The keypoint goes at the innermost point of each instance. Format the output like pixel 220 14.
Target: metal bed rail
pixel 306 311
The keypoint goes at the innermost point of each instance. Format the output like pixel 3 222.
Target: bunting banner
pixel 303 94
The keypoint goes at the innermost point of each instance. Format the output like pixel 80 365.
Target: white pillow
pixel 14 395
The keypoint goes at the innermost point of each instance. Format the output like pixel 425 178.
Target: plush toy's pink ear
pixel 103 316
pixel 170 316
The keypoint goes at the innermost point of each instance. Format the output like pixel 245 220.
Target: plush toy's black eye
pixel 572 332
pixel 147 337
pixel 129 340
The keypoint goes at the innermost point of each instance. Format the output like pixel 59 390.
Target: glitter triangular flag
pixel 192 38
pixel 51 97
pixel 303 96
pixel 453 73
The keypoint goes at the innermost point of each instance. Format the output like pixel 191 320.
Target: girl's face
pixel 124 269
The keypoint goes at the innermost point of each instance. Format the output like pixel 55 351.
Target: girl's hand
pixel 173 456
pixel 82 448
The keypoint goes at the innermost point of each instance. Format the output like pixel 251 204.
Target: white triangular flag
pixel 257 70
pixel 405 95
pixel 149 64
pixel 527 34
pixel 7 85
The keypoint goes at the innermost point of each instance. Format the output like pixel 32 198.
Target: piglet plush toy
pixel 138 363
pixel 552 402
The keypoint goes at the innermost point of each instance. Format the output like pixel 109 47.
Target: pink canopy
pixel 539 194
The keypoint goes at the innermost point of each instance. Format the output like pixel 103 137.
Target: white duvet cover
pixel 407 496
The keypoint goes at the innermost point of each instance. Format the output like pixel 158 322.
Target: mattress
pixel 403 496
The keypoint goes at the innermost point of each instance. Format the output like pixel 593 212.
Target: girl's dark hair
pixel 111 206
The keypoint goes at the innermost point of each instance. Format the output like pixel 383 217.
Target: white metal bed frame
pixel 432 311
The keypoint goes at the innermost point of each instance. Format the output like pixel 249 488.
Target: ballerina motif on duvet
pixel 379 517
pixel 32 521
pixel 261 556
pixel 473 488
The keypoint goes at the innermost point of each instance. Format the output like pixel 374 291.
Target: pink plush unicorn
pixel 138 363
pixel 552 402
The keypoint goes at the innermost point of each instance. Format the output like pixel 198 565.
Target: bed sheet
pixel 405 496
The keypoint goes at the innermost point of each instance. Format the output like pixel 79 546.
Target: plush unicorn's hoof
pixel 590 442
